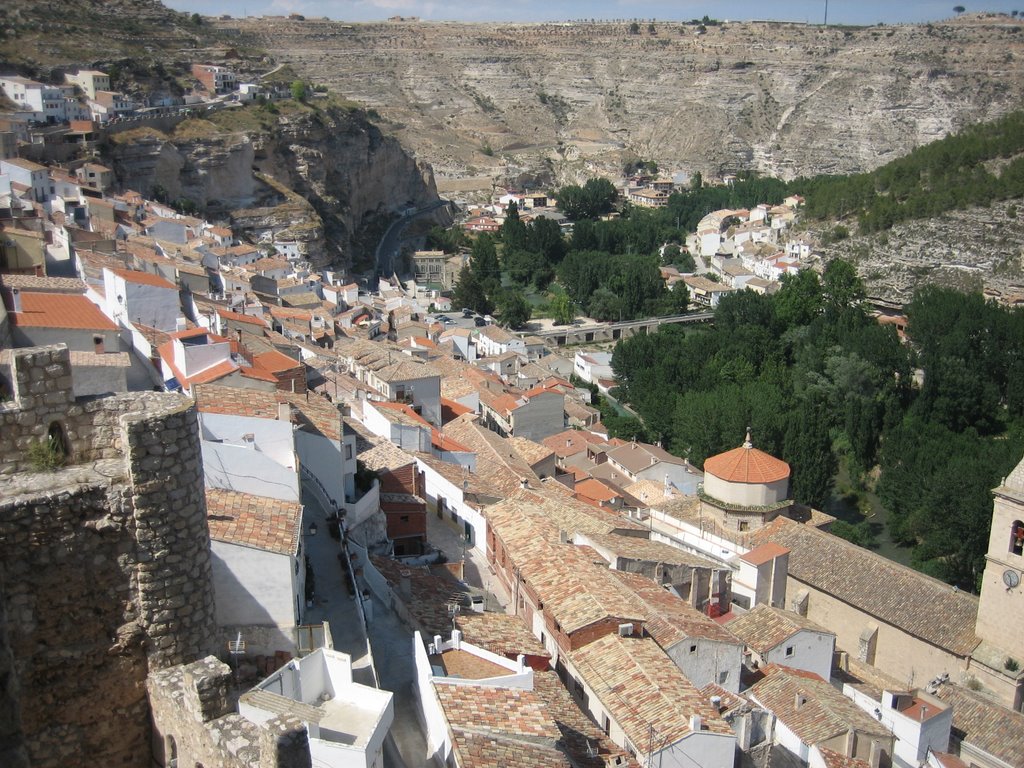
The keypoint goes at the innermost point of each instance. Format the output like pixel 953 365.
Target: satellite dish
pixel 1011 578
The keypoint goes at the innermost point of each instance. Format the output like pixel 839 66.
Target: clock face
pixel 1011 578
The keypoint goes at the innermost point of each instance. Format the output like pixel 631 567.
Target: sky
pixel 839 11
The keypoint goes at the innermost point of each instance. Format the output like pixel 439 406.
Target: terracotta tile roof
pixel 915 603
pixel 649 492
pixel 499 633
pixel 144 278
pixel 641 687
pixel 235 401
pixel 432 590
pixel 43 284
pixel 810 707
pixel 747 464
pixel 763 627
pixel 570 442
pixel 254 521
pixel 596 490
pixel 580 736
pixel 574 591
pixel 484 750
pixel 507 711
pixel 104 359
pixel 530 452
pixel 639 456
pixel 400 413
pixel 833 759
pixel 730 700
pixel 985 724
pixel 227 314
pixel 60 310
pixel 451 409
pixel 669 619
pixel 764 553
pixel 645 550
pixel 498 464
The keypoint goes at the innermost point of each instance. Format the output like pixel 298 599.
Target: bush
pixel 45 455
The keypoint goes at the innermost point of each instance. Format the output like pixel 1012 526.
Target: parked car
pixel 467 312
pixel 479 322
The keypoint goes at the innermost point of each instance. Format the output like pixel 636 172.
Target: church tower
pixel 1000 623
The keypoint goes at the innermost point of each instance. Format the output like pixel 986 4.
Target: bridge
pixel 598 332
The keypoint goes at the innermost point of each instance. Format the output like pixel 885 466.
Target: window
pixel 723 678
pixel 693 648
pixel 404 518
pixel 743 525
pixel 348 452
pixel 1017 538
pixel 789 651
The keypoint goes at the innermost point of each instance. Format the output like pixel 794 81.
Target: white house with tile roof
pixel 257 568
pixel 775 636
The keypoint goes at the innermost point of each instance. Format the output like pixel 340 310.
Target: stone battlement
pixel 104 562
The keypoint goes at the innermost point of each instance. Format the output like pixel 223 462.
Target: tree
pixel 696 181
pixel 842 286
pixel 562 310
pixel 634 28
pixel 470 293
pixel 800 299
pixel 513 308
pixel 298 90
pixel 808 449
pixel 197 20
pixel 958 9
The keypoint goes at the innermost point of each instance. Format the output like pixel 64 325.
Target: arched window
pixel 1017 538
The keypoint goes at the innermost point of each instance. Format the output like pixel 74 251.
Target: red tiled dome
pixel 747 464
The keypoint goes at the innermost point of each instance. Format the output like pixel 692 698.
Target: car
pixel 479 321
pixel 467 312
pixel 443 319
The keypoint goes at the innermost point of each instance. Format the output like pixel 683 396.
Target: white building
pixel 347 722
pixel 31 177
pixel 633 690
pixel 257 567
pixel 89 80
pixel 443 678
pixel 141 298
pixel 775 636
pixel 493 340
pixel 46 102
pixel 921 723
pixel 591 366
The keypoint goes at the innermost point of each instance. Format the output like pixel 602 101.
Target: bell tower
pixel 1001 609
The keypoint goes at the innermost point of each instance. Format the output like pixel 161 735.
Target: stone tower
pixel 1000 624
pixel 104 561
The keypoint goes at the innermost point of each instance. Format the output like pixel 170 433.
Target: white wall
pixel 812 652
pixel 706 749
pixel 707 663
pixel 435 487
pixel 98 379
pixel 253 586
pixel 542 416
pixel 246 470
pixel 429 710
pixel 152 305
pixel 746 494
pixel 322 458
pixel 270 437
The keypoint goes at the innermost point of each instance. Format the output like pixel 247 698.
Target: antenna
pixel 826 13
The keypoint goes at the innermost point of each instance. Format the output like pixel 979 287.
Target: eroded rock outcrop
pixel 318 175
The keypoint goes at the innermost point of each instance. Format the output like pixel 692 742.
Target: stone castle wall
pixel 104 562
pixel 193 723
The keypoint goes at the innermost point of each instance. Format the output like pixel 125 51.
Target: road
pixel 387 248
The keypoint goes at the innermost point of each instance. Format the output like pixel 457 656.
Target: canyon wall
pixel 566 101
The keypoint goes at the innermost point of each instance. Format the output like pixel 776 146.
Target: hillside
pixel 572 100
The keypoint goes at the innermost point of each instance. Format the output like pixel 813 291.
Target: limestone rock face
pixel 317 177
pixel 566 101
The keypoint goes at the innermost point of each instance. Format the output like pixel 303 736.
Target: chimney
pixel 695 723
pixel 16 298
pixel 405 584
pixel 716 703
pixel 284 412
pixel 523 483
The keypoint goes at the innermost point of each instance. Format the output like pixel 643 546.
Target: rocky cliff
pixel 569 100
pixel 321 174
